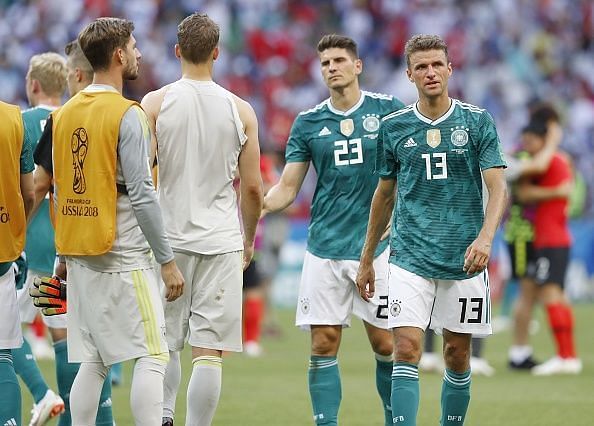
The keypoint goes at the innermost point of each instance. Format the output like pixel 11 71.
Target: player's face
pixel 532 143
pixel 430 71
pixel 339 68
pixel 132 60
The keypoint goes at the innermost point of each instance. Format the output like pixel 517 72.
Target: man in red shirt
pixel 548 263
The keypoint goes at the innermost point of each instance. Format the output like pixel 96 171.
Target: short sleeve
pixel 385 162
pixel 490 152
pixel 43 152
pixel 27 165
pixel 298 149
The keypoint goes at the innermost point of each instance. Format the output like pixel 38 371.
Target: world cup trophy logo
pixel 79 144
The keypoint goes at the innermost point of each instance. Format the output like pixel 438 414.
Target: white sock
pixel 146 395
pixel 171 384
pixel 204 390
pixel 85 393
pixel 519 353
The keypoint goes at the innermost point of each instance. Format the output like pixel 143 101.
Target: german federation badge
pixel 433 137
pixel 347 127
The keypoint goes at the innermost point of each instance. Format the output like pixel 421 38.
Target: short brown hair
pixel 198 36
pixel 423 42
pixel 77 59
pixel 99 39
pixel 330 41
pixel 49 69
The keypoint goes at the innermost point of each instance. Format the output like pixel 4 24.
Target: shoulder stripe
pixel 316 108
pixel 470 107
pixel 376 95
pixel 397 113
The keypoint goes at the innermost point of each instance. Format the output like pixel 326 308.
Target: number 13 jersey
pixel 437 165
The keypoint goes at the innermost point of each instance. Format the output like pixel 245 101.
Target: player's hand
pixel 173 279
pixel 366 280
pixel 49 294
pixel 248 254
pixel 477 255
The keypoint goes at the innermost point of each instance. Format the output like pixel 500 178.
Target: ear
pixel 177 51
pixel 78 75
pixel 409 75
pixel 215 53
pixel 119 56
pixel 35 86
pixel 358 66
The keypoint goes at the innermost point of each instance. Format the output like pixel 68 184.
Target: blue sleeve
pixel 490 152
pixel 297 147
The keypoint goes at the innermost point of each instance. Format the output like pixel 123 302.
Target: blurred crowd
pixel 506 54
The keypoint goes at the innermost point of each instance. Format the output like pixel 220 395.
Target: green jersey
pixel 39 246
pixel 437 165
pixel 342 148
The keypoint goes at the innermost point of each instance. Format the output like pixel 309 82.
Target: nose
pixel 430 71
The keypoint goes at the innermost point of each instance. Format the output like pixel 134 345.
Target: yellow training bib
pixel 85 138
pixel 12 210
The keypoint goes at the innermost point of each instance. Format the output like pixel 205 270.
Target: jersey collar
pixel 348 112
pixel 438 120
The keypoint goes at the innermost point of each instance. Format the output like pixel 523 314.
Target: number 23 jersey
pixel 342 148
pixel 437 165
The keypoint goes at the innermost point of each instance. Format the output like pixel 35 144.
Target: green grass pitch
pixel 272 390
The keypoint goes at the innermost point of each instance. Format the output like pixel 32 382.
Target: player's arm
pixel 478 252
pixel 281 195
pixel 529 193
pixel 250 179
pixel 151 104
pixel 133 156
pixel 539 163
pixel 382 206
pixel 42 177
pixel 26 179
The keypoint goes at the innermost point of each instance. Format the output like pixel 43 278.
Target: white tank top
pixel 200 137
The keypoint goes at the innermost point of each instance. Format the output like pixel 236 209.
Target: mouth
pixel 432 84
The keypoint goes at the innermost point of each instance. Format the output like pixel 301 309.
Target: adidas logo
pixel 11 422
pixel 325 132
pixel 410 143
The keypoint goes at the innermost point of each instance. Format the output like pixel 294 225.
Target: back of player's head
pixel 544 113
pixel 77 59
pixel 422 43
pixel 49 69
pixel 535 127
pixel 198 36
pixel 99 40
pixel 330 41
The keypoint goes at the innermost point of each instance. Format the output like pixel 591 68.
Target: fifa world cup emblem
pixel 79 144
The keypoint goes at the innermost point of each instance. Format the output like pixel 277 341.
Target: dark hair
pixel 198 36
pixel 77 58
pixel 99 39
pixel 538 128
pixel 330 41
pixel 424 42
pixel 544 112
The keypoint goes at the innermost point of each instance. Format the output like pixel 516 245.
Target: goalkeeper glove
pixel 49 294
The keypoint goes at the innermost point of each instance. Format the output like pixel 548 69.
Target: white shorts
pixel 328 293
pixel 10 324
pixel 115 316
pixel 461 306
pixel 28 310
pixel 209 311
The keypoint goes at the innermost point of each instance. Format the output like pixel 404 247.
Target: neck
pixel 434 107
pixel 110 78
pixel 200 72
pixel 345 98
pixel 53 101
